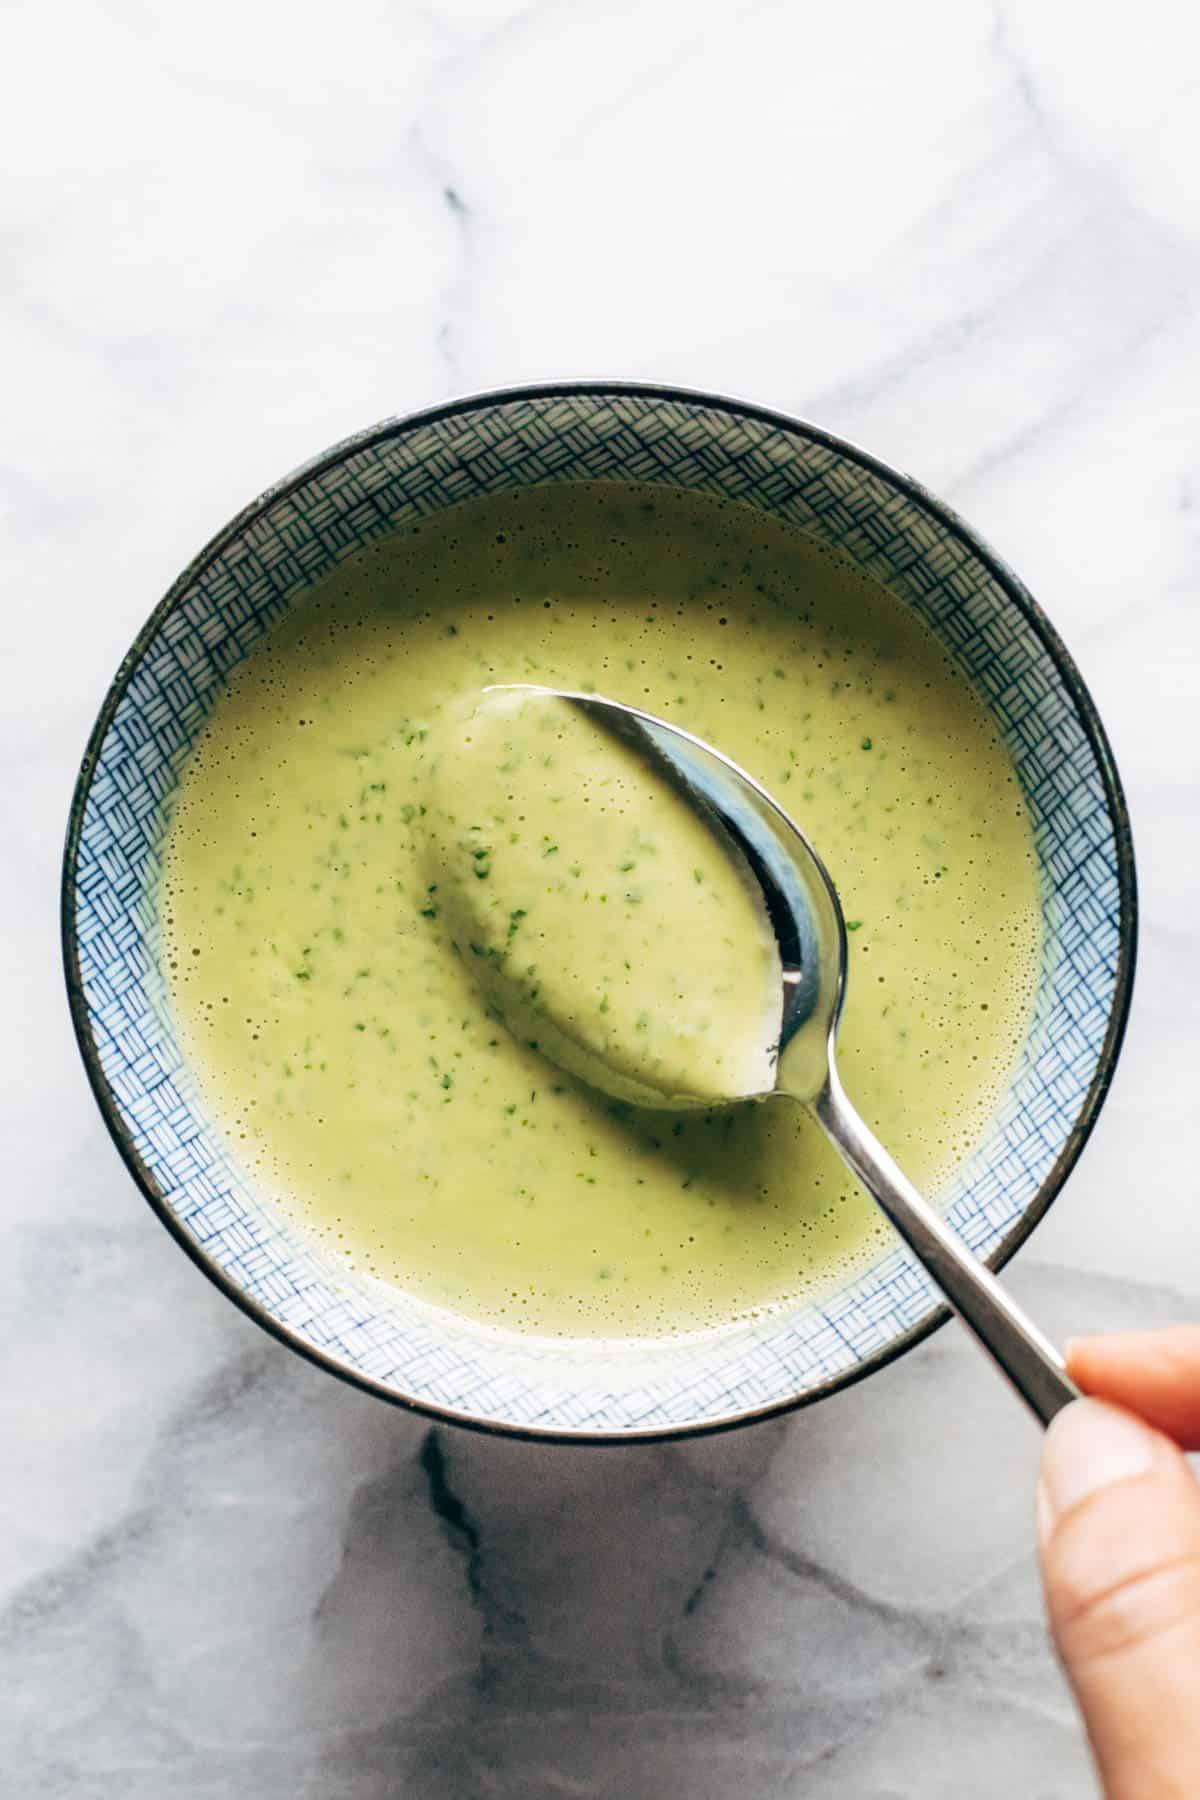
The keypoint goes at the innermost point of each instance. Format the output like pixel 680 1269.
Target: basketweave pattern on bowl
pixel 365 490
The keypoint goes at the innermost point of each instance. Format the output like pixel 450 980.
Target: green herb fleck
pixel 514 923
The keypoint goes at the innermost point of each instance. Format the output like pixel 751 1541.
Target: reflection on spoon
pixel 728 987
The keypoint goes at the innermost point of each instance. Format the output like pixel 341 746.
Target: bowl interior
pixel 365 489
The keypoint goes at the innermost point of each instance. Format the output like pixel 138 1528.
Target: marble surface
pixel 964 234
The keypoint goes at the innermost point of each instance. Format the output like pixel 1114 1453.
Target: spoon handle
pixel 1016 1346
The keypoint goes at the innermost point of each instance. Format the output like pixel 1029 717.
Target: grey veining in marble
pixel 964 234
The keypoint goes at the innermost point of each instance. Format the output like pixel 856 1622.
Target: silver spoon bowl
pixel 806 917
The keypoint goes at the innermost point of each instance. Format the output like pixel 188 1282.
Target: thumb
pixel 1119 1535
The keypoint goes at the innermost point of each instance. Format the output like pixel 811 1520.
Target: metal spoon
pixel 808 923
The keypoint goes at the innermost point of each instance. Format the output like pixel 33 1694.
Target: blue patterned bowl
pixel 253 571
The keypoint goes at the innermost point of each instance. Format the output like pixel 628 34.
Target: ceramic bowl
pixel 260 565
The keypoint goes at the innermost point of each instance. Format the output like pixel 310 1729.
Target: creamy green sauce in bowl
pixel 322 997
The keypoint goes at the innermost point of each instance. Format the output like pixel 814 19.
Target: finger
pixel 1153 1373
pixel 1119 1533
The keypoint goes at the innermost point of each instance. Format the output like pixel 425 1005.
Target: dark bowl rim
pixel 1018 595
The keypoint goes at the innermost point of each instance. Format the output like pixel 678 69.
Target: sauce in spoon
pixel 609 924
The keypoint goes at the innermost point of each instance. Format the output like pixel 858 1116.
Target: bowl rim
pixel 1017 594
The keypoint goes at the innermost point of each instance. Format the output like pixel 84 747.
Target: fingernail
pixel 1089 1446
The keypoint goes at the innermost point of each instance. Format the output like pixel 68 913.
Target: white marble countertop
pixel 963 234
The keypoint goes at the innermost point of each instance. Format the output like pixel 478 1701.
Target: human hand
pixel 1119 1539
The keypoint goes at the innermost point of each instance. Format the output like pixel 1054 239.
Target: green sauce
pixel 604 919
pixel 346 1046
